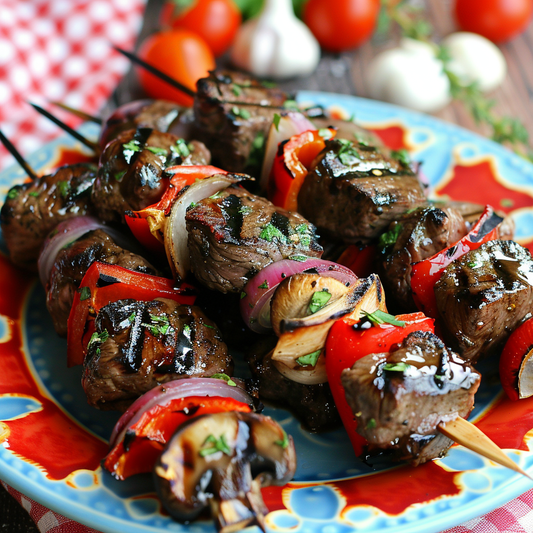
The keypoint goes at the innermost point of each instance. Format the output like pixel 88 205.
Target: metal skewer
pixel 16 154
pixel 78 113
pixel 92 145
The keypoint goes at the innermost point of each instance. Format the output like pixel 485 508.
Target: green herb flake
pixel 319 300
pixel 310 359
pixel 269 84
pixel 181 149
pixel 301 258
pixel 13 193
pixel 506 202
pixel 396 367
pixel 85 293
pixel 217 195
pixel 213 445
pixel 283 443
pixel 63 187
pixel 128 149
pixel 402 156
pixel 238 112
pixel 270 233
pixel 291 104
pixel 226 378
pixel 390 237
pixel 245 210
pixel 380 317
pixel 120 174
pixel 276 120
pixel 263 285
pixel 243 295
pixel 473 264
pixel 325 133
pixel 371 424
pixel 157 151
pixel 131 318
pixel 98 338
pixel 302 228
pixel 192 205
pixel 237 91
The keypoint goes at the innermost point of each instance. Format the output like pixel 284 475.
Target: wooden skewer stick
pixel 472 438
pixel 93 146
pixel 78 113
pixel 16 154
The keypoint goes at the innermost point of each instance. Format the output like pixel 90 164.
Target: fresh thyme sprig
pixel 504 130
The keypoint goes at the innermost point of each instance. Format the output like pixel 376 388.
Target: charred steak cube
pixel 354 191
pixel 71 265
pixel 233 114
pixel 399 398
pixel 235 234
pixel 131 174
pixel 415 236
pixel 484 295
pixel 139 345
pixel 32 210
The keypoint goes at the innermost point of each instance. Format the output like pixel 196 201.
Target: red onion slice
pixel 162 394
pixel 175 228
pixel 255 300
pixel 290 124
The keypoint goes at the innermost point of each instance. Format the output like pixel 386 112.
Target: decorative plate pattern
pixel 51 441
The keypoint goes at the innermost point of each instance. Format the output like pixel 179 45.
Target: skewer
pixel 468 435
pixel 93 146
pixel 177 85
pixel 78 113
pixel 16 154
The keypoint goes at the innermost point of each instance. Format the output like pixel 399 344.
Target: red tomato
pixel 216 21
pixel 341 24
pixel 497 20
pixel 181 54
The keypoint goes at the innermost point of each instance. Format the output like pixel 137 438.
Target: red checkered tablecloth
pixel 62 50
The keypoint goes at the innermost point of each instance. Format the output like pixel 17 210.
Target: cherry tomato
pixel 216 21
pixel 181 54
pixel 342 24
pixel 497 20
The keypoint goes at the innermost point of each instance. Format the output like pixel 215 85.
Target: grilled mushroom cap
pixel 222 461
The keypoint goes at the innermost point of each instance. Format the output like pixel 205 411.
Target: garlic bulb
pixel 410 76
pixel 475 59
pixel 276 44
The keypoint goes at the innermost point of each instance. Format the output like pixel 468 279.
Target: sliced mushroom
pixel 222 461
pixel 299 353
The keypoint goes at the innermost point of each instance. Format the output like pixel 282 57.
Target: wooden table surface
pixel 345 74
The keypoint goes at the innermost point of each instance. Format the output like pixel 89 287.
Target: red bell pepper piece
pixel 291 165
pixel 359 259
pixel 426 273
pixel 105 283
pixel 146 439
pixel 518 345
pixel 146 225
pixel 345 345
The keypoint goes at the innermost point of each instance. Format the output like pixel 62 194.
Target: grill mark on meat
pixel 230 208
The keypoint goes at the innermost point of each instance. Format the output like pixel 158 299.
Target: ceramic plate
pixel 52 441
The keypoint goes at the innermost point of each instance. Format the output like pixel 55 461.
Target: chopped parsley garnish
pixel 192 205
pixel 325 133
pixel 85 293
pixel 226 378
pixel 128 149
pixel 506 202
pixel 35 194
pixel 301 258
pixel 270 232
pixel 13 193
pixel 473 264
pixel 396 367
pixel 159 325
pixel 157 151
pixel 319 300
pixel 269 84
pixel 131 318
pixel 263 285
pixel 64 188
pixel 217 195
pixel 402 156
pixel 237 91
pixel 120 174
pixel 238 112
pixel 291 104
pixel 213 445
pixel 245 210
pixel 98 338
pixel 302 228
pixel 380 317
pixel 181 148
pixel 310 359
pixel 390 237
pixel 360 139
pixel 283 443
pixel 371 424
pixel 243 295
pixel 276 120
pixel 347 152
